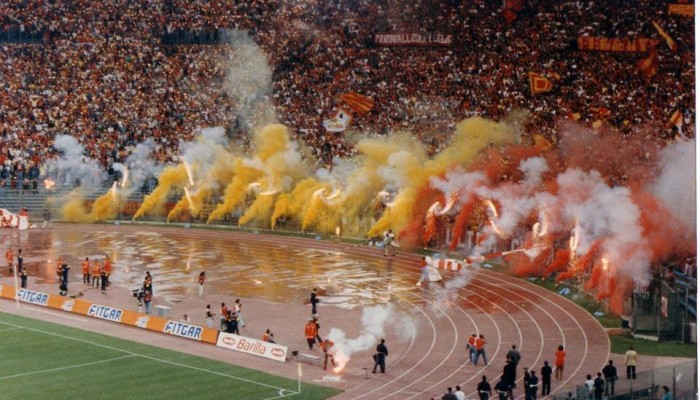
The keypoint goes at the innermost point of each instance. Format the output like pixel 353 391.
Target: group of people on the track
pixel 232 317
pixel 602 384
pixel 96 274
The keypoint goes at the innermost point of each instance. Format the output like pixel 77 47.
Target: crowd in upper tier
pixel 101 73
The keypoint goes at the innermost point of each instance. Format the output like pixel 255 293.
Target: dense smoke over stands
pixel 596 207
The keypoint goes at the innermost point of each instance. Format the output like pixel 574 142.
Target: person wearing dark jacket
pixel 509 375
pixel 380 357
pixel 610 374
pixel 546 373
pixel 484 388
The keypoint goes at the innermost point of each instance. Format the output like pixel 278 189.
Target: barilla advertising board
pixel 255 347
pixel 113 314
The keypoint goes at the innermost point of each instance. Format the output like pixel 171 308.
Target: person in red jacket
pixel 310 331
pixel 86 271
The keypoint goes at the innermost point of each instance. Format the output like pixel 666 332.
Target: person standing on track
pixel 630 363
pixel 559 358
pixel 610 374
pixel 237 306
pixel 318 331
pixel 86 271
pixel 208 316
pixel 459 393
pixel 20 260
pixel 598 386
pixel 546 373
pixel 509 376
pixel 389 243
pixel 224 316
pixel 108 269
pixel 531 386
pixel 424 272
pixel 380 357
pixel 502 388
pixel 23 277
pixel 310 333
pixel 95 272
pixel 471 346
pixel 10 258
pixel 449 395
pixel 514 356
pixel 484 388
pixel 480 349
pixel 103 279
pixel 200 280
pixel 314 300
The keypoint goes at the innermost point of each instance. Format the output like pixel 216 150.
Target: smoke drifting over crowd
pixel 595 207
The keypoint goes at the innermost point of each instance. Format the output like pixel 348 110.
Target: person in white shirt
pixel 459 393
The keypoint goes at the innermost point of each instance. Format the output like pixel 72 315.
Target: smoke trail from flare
pixel 376 320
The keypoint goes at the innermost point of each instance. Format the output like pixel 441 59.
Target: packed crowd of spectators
pixel 103 75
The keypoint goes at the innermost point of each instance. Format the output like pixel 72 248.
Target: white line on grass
pixel 63 368
pixel 55 314
pixel 8 330
pixel 147 357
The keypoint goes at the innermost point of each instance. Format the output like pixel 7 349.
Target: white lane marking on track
pixel 580 328
pixel 65 367
pixel 507 283
pixel 142 356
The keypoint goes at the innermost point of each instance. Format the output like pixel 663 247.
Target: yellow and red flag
pixel 649 66
pixel 539 83
pixel 669 40
pixel 357 102
pixel 677 121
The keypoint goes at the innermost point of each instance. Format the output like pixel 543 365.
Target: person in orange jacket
pixel 310 331
pixel 9 256
pixel 471 346
pixel 108 270
pixel 59 267
pixel 480 349
pixel 95 272
pixel 86 271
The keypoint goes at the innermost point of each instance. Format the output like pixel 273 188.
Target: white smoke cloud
pixel 676 185
pixel 141 165
pixel 73 168
pixel 249 80
pixel 375 322
pixel 609 215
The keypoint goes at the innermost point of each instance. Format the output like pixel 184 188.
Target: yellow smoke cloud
pixel 259 210
pixel 105 206
pixel 276 162
pixel 292 204
pixel 284 185
pixel 173 176
pixel 74 208
pixel 206 178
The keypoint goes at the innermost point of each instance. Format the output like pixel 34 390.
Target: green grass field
pixel 49 361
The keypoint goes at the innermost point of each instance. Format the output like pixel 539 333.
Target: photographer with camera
pixel 139 294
